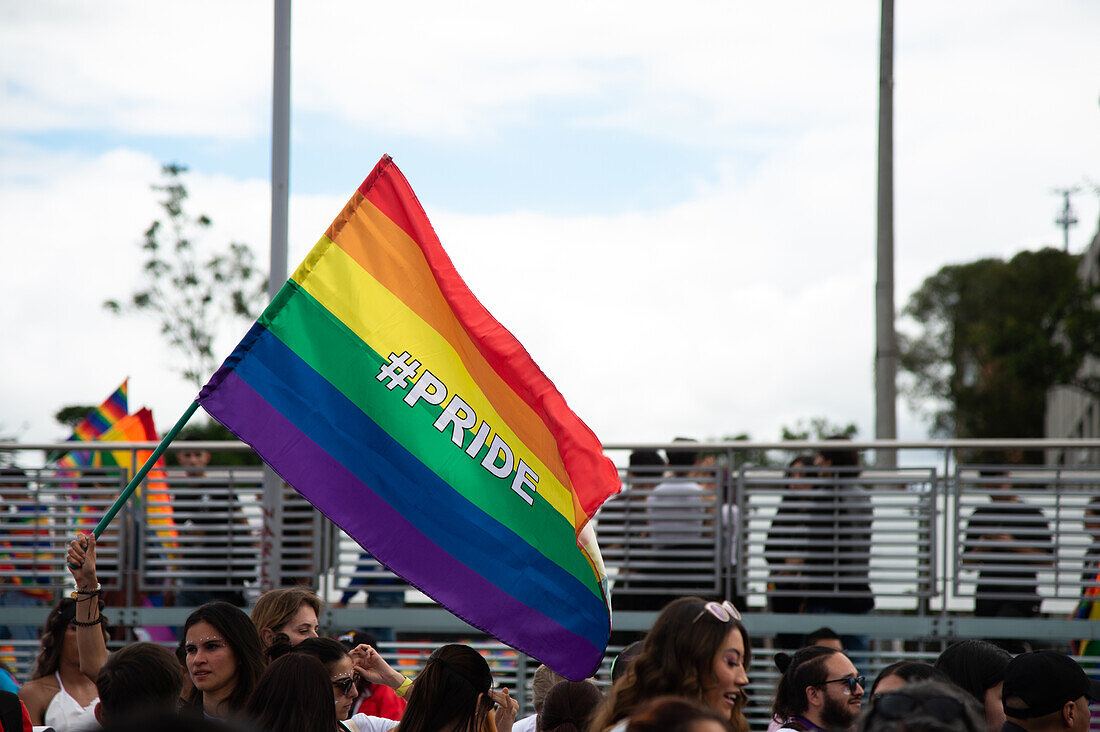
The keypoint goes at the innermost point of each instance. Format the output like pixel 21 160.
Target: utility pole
pixel 1067 218
pixel 886 348
pixel 271 541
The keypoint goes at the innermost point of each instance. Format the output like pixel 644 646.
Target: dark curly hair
pixel 677 658
pixel 52 637
pixel 451 692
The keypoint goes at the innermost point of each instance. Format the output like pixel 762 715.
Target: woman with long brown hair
pixel 60 694
pixel 696 649
pixel 293 695
pixel 454 694
pixel 222 652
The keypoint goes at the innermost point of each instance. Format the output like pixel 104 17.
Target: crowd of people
pixel 274 672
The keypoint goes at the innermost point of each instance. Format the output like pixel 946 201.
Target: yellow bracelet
pixel 403 689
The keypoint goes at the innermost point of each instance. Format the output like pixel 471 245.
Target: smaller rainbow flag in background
pixel 98 422
pixel 139 427
pixel 109 422
pixel 378 386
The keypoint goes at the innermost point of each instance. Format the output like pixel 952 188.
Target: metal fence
pixel 919 541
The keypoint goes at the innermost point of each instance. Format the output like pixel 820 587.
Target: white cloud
pixel 200 68
pixel 761 280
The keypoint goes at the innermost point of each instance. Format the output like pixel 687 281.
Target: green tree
pixel 991 337
pixel 186 294
pixel 72 414
pixel 746 457
pixel 817 428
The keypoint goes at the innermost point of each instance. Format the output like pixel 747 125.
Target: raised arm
pixel 370 664
pixel 90 638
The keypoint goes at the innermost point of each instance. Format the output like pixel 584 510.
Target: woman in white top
pixel 62 693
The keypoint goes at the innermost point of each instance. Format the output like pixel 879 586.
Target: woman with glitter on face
pixel 224 659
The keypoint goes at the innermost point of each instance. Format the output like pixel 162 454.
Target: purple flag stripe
pixel 353 506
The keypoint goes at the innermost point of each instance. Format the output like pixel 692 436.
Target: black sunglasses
pixel 851 681
pixel 346 683
pixel 898 705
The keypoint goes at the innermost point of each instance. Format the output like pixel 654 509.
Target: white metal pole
pixel 886 349
pixel 271 542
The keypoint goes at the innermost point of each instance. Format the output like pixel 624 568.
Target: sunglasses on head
pixel 724 611
pixel 344 684
pixel 898 705
pixel 852 681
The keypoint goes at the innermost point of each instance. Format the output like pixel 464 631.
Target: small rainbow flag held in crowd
pixel 1089 609
pixel 378 386
pixel 97 422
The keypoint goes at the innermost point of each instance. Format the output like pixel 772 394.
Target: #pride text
pixel 460 417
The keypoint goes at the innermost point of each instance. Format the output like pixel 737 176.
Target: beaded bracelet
pixel 403 689
pixel 79 594
pixel 90 623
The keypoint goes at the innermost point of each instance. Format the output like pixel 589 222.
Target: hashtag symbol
pixel 398 370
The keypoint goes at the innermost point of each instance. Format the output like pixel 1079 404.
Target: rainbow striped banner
pixel 1088 609
pixel 96 423
pixel 378 386
pixel 136 427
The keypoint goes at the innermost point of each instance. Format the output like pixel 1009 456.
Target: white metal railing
pixel 921 564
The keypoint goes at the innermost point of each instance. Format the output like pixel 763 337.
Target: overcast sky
pixel 671 205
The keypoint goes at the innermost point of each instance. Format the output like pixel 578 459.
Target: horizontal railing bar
pixel 735 446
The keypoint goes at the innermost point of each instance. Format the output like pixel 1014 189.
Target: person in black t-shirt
pixel 1008 541
pixel 789 545
pixel 840 531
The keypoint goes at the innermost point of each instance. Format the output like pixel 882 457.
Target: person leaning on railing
pixel 1007 540
pixel 790 544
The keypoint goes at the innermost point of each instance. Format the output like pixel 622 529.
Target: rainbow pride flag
pixel 136 427
pixel 378 386
pixel 97 422
pixel 1088 609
